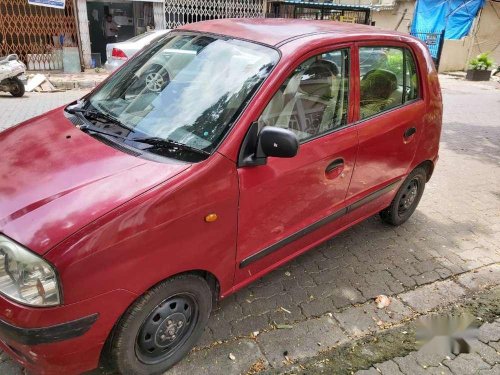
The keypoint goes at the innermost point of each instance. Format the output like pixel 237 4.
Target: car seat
pixel 377 89
pixel 304 113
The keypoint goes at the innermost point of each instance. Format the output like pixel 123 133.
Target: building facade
pixel 40 34
pixel 484 35
pixel 157 14
pixel 37 34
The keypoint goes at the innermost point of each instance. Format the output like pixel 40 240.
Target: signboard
pixel 59 4
pixel 431 39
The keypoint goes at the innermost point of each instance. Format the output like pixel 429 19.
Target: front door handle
pixel 335 168
pixel 409 132
pixel 334 165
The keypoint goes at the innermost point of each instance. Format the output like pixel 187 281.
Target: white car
pixel 119 53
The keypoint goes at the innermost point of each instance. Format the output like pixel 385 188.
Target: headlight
pixel 25 277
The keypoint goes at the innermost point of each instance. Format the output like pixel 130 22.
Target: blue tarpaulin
pixel 453 16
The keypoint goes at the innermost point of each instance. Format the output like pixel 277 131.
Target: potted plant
pixel 480 68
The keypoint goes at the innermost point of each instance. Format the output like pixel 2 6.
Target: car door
pixel 389 112
pixel 289 203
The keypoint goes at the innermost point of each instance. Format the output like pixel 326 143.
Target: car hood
pixel 55 179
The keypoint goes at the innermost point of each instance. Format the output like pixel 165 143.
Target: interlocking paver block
pixel 409 366
pixel 301 341
pixel 495 370
pixel 489 332
pixel 388 368
pixel 217 361
pixel 482 278
pixel 434 352
pixel 359 320
pixel 428 297
pixel 466 364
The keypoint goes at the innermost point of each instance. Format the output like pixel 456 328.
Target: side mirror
pixel 277 142
pixel 271 141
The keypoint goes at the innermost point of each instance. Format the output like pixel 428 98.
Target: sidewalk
pixel 484 358
pixel 339 342
pixel 69 81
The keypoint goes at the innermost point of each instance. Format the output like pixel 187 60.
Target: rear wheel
pixel 17 87
pixel 407 198
pixel 162 326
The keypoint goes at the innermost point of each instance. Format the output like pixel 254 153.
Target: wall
pixel 484 37
pixel 389 19
pixel 455 54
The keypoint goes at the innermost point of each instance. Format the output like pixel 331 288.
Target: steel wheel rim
pixel 167 328
pixel 409 196
pixel 154 81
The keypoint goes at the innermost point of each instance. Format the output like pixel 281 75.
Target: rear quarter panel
pixel 428 146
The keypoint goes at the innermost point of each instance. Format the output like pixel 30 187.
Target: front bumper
pixel 47 335
pixel 66 339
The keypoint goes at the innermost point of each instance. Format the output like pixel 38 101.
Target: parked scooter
pixel 11 74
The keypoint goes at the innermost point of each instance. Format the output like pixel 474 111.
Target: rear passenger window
pixel 388 79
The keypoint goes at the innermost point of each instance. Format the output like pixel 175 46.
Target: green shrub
pixel 481 62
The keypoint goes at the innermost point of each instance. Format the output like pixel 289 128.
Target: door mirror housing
pixel 271 141
pixel 277 142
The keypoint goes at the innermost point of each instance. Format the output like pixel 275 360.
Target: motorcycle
pixel 11 74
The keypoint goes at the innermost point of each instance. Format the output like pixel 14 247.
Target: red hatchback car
pixel 219 152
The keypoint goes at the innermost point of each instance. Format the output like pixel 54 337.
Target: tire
pixel 407 198
pixel 150 338
pixel 18 90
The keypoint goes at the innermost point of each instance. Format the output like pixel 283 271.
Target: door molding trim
pixel 318 224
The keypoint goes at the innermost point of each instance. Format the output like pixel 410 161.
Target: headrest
pixel 378 83
pixel 318 77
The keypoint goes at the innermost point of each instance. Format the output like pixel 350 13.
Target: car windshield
pixel 186 88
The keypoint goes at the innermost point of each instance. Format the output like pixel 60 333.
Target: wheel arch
pixel 209 277
pixel 428 165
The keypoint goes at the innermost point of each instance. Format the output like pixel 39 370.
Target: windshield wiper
pixel 94 129
pixel 160 142
pixel 99 116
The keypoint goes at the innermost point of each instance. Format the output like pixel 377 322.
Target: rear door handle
pixel 334 165
pixel 409 132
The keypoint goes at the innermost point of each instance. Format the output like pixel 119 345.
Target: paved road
pixel 14 110
pixel 455 230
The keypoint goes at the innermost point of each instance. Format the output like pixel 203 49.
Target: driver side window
pixel 314 99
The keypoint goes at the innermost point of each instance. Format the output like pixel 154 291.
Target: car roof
pixel 277 31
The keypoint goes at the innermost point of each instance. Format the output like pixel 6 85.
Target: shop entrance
pixel 129 18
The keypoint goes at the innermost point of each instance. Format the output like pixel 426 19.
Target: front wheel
pixel 16 87
pixel 162 326
pixel 407 198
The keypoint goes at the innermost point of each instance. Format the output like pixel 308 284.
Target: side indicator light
pixel 210 218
